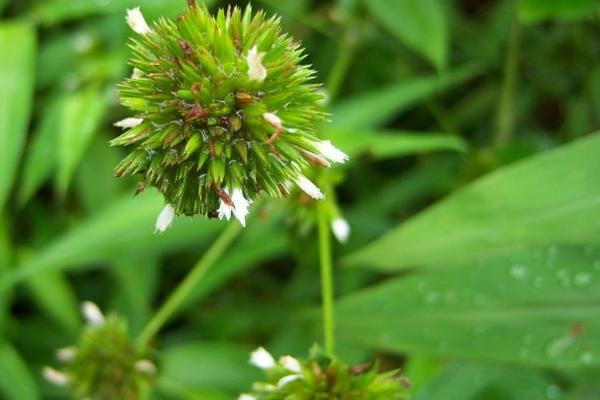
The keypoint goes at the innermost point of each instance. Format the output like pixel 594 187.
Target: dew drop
pixel 557 347
pixel 586 358
pixel 583 279
pixel 518 271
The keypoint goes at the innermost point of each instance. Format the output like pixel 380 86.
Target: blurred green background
pixel 473 194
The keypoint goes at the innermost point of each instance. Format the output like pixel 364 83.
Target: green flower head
pixel 225 112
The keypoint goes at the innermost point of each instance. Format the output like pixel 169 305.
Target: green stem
pixel 504 130
pixel 340 68
pixel 326 276
pixel 185 288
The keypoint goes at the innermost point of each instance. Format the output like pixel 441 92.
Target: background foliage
pixel 473 194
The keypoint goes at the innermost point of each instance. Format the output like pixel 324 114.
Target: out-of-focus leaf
pixel 202 365
pixel 374 108
pixel 82 114
pixel 56 297
pixel 538 307
pixel 16 382
pixel 5 256
pixel 40 160
pixel 173 391
pixel 56 11
pixel 125 228
pixel 389 144
pixel 419 24
pixel 512 208
pixel 459 382
pixel 532 11
pixel 17 68
pixel 95 179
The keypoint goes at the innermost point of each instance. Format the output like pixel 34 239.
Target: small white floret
pixel 92 314
pixel 136 21
pixel 165 219
pixel 331 152
pixel 256 70
pixel 291 364
pixel 145 366
pixel 341 229
pixel 246 397
pixel 288 379
pixel 128 123
pixel 66 354
pixel 309 188
pixel 137 73
pixel 262 359
pixel 54 376
pixel 240 205
pixel 273 120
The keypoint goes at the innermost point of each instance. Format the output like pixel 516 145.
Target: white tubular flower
pixel 273 120
pixel 128 123
pixel 246 397
pixel 235 204
pixel 165 219
pixel 309 188
pixel 331 152
pixel 291 364
pixel 66 354
pixel 92 313
pixel 240 205
pixel 136 21
pixel 262 359
pixel 341 229
pixel 54 376
pixel 137 73
pixel 288 379
pixel 145 366
pixel 256 70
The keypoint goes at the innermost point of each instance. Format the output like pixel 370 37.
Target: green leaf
pixel 532 11
pixel 17 69
pixel 81 116
pixel 390 144
pixel 201 365
pixel 55 295
pixel 379 106
pixel 53 12
pixel 512 208
pixel 125 228
pixel 459 382
pixel 535 307
pixel 16 382
pixel 419 24
pixel 40 159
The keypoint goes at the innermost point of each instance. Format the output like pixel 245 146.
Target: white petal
pixel 262 359
pixel 145 366
pixel 273 120
pixel 66 354
pixel 240 205
pixel 225 209
pixel 54 376
pixel 246 397
pixel 165 219
pixel 287 379
pixel 136 21
pixel 341 229
pixel 92 313
pixel 291 364
pixel 331 152
pixel 256 70
pixel 128 123
pixel 309 188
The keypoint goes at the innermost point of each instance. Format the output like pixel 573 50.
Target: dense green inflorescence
pixel 322 377
pixel 105 364
pixel 222 105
